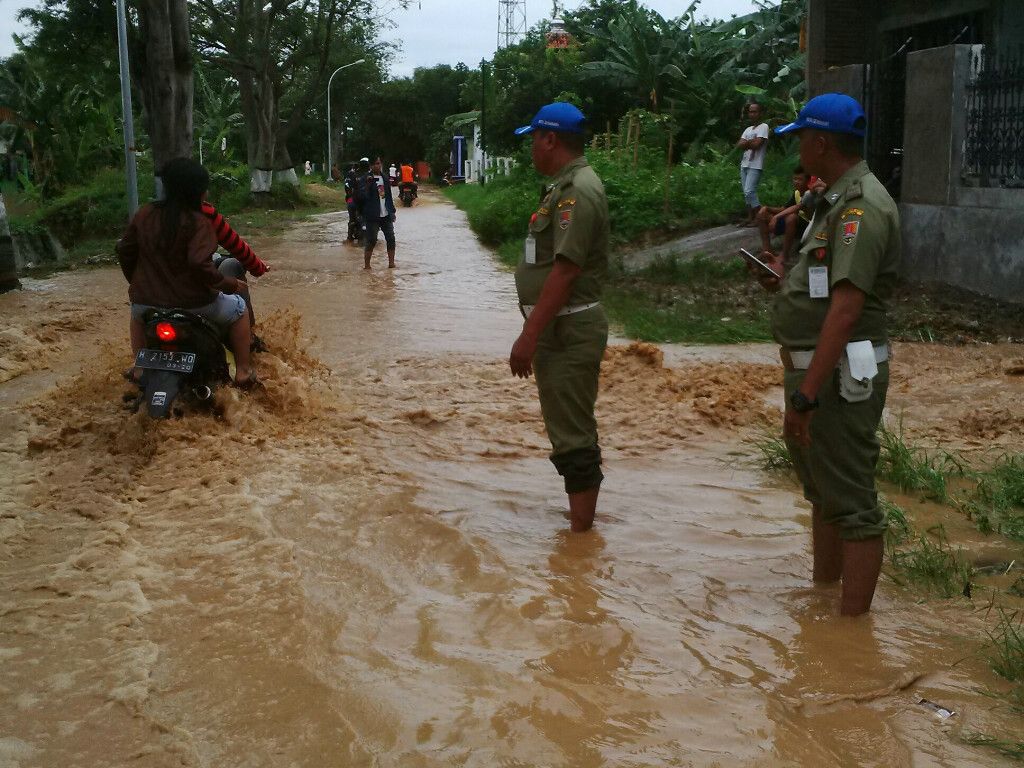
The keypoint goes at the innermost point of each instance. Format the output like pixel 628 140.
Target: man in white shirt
pixel 754 143
pixel 373 196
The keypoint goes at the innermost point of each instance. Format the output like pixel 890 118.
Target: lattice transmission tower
pixel 511 22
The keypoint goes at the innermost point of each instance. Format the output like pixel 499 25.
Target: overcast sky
pixel 441 31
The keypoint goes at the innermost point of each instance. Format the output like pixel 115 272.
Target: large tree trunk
pixel 266 139
pixel 166 74
pixel 259 108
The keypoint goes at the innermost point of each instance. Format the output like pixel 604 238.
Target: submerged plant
pixel 997 503
pixel 771 453
pixel 899 528
pixel 911 468
pixel 934 567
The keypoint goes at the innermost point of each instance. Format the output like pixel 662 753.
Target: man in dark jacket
pixel 374 200
pixel 355 224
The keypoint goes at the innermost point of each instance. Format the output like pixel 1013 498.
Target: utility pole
pixel 131 176
pixel 483 115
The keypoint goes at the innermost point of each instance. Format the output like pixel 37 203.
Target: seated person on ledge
pixel 789 220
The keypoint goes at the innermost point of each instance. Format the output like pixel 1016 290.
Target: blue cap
pixel 835 112
pixel 559 116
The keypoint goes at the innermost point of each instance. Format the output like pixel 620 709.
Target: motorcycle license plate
pixel 158 359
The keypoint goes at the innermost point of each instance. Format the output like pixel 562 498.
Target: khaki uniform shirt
pixel 571 222
pixel 855 235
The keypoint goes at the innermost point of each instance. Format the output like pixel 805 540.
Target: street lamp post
pixel 327 169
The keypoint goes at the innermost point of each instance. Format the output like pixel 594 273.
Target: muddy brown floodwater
pixel 366 564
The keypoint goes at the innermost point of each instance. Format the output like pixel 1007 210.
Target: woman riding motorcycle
pixel 166 254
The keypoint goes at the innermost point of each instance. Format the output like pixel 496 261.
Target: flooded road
pixel 367 564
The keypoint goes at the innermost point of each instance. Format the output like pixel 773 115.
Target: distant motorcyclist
pixel 409 179
pixel 393 175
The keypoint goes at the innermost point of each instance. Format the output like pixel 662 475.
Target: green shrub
pixel 997 503
pixel 701 194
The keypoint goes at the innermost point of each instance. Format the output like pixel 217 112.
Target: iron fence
pixel 994 144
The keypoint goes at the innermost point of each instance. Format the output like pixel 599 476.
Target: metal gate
pixel 886 83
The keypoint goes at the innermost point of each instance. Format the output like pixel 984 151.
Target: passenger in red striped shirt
pixel 243 259
pixel 230 241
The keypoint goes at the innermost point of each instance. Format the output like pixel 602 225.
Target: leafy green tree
pixel 281 53
pixel 402 119
pixel 62 86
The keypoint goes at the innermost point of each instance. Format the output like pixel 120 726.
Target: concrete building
pixel 943 86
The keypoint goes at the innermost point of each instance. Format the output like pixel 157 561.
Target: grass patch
pixel 1006 657
pixel 88 219
pixel 997 502
pixel 771 453
pixel 933 567
pixel 1006 653
pixel 699 301
pixel 1014 749
pixel 911 468
pixel 899 529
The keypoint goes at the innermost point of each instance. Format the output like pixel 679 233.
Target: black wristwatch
pixel 798 400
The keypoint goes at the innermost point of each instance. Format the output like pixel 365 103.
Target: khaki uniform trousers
pixel 566 366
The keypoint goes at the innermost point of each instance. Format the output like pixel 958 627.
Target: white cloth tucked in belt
pixel 569 309
pixel 802 357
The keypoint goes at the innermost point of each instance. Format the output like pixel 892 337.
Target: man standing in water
pixel 373 196
pixel 559 280
pixel 830 318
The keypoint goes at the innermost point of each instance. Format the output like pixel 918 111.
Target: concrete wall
pixel 981 249
pixel 935 122
pixel 964 236
pixel 848 79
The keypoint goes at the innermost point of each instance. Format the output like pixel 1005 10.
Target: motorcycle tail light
pixel 166 332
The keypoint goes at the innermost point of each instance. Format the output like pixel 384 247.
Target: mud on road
pixel 366 563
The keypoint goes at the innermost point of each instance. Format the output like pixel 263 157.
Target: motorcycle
pixel 407 194
pixel 184 357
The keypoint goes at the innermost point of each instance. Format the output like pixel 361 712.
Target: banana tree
pixel 643 49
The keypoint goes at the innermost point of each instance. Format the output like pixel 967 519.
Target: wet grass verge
pixel 931 566
pixel 697 301
pixel 88 220
pixel 996 505
pixel 912 468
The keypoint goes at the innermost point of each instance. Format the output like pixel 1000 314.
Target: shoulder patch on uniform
pixel 850 229
pixel 564 217
pixel 852 212
pixel 567 201
pixel 821 236
pixel 543 211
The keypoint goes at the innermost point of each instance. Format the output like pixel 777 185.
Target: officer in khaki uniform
pixel 559 280
pixel 830 318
